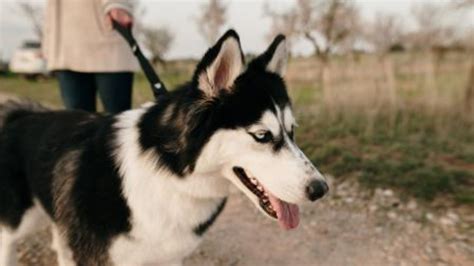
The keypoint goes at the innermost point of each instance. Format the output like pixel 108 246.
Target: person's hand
pixel 121 16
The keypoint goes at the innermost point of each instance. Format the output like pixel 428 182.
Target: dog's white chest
pixel 167 238
pixel 169 248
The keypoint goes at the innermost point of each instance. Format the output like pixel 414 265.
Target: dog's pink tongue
pixel 288 214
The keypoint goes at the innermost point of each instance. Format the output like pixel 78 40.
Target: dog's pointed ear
pixel 220 66
pixel 275 58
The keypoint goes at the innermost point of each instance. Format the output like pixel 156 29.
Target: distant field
pixel 47 90
pixel 396 122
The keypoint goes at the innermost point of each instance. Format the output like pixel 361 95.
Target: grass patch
pixel 47 90
pixel 409 156
pixel 43 90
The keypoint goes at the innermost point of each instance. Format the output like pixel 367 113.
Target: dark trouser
pixel 79 90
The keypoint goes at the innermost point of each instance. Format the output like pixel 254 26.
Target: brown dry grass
pixel 400 113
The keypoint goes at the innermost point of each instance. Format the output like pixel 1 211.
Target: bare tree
pixel 432 36
pixel 326 24
pixel 34 14
pixel 285 23
pixel 469 92
pixel 469 45
pixel 336 21
pixel 432 29
pixel 157 41
pixel 211 20
pixel 384 32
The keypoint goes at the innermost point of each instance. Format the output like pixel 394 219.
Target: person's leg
pixel 115 90
pixel 78 90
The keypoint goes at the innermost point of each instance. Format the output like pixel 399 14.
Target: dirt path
pixel 344 229
pixel 4 97
pixel 350 227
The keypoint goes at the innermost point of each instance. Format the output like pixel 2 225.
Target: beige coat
pixel 77 37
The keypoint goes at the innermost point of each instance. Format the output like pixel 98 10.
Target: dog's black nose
pixel 316 189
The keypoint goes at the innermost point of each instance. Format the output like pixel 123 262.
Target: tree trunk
pixel 324 77
pixel 322 58
pixel 389 77
pixel 430 81
pixel 391 87
pixel 469 94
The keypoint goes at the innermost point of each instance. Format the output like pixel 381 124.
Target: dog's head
pixel 250 116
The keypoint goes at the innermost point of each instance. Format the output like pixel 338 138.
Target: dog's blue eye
pixel 291 134
pixel 262 136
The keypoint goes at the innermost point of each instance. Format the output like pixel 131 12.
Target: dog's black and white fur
pixel 142 187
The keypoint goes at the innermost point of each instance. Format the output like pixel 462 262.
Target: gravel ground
pixel 349 227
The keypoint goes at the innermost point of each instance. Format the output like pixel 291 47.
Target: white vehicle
pixel 28 60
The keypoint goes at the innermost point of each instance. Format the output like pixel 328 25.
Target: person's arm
pixel 119 10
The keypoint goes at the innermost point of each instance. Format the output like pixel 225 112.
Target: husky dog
pixel 143 186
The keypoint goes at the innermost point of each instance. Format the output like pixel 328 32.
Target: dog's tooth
pixel 254 181
pixel 260 187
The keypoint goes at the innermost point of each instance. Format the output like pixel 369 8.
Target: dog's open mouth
pixel 286 213
pixel 252 184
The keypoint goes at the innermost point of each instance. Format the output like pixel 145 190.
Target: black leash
pixel 157 86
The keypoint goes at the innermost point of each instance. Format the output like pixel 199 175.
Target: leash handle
pixel 157 86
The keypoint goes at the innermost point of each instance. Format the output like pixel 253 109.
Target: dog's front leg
pixel 174 263
pixel 7 248
pixel 63 251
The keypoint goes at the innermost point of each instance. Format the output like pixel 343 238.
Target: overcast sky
pixel 246 16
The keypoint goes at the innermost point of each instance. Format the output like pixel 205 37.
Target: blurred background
pixel 384 93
